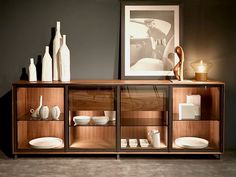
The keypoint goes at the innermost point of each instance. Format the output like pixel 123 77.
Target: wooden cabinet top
pixel 118 82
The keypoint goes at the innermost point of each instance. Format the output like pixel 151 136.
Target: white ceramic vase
pixel 64 61
pixel 35 113
pixel 47 66
pixel 32 71
pixel 55 112
pixel 56 46
pixel 44 112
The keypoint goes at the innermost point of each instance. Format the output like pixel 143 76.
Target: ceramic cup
pixel 111 115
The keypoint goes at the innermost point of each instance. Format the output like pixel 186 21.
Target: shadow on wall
pixel 5 123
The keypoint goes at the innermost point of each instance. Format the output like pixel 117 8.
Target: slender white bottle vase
pixel 56 46
pixel 64 61
pixel 32 71
pixel 47 66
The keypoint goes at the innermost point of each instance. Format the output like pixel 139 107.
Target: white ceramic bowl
pixel 81 120
pixel 100 120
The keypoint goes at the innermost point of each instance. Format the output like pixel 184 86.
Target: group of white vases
pixel 57 68
pixel 42 111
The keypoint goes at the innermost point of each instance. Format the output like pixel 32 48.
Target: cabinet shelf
pixel 190 120
pixel 144 125
pixel 28 117
pixel 92 124
pixel 93 144
pixel 202 118
pixel 150 147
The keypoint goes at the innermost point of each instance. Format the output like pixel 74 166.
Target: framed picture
pixel 149 36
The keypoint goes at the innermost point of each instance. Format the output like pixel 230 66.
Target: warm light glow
pixel 200 67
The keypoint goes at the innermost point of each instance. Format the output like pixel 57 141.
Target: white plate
pixel 46 143
pixel 191 142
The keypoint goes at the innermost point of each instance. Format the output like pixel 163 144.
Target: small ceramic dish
pixel 133 142
pixel 100 120
pixel 81 120
pixel 144 142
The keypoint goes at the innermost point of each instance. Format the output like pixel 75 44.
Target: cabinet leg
pixel 217 156
pixel 118 157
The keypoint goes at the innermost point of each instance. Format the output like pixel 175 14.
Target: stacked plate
pixel 191 142
pixel 46 143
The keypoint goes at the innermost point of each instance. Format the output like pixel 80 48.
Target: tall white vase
pixel 47 66
pixel 64 61
pixel 32 71
pixel 56 46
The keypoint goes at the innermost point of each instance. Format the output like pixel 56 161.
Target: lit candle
pixel 201 70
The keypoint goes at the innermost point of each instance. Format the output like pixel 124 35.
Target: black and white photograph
pixel 151 35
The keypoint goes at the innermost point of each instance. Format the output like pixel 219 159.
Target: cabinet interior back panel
pixel 28 130
pixel 144 117
pixel 142 132
pixel 209 130
pixel 146 98
pixel 28 98
pixel 91 99
pixel 210 100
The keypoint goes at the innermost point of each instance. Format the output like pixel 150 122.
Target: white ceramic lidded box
pixel 196 100
pixel 186 111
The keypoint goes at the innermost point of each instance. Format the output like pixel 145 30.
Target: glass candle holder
pixel 201 70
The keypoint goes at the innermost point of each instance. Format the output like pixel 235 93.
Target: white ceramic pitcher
pixel 155 135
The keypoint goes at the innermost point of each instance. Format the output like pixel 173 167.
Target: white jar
pixel 55 112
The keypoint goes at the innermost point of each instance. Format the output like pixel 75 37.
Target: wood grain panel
pixel 84 136
pixel 141 132
pixel 210 100
pixel 21 97
pixel 28 130
pixel 143 98
pixel 91 99
pixel 144 117
pixel 28 98
pixel 208 130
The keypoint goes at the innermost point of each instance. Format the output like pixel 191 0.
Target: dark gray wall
pixel 92 27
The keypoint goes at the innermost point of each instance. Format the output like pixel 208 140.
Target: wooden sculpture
pixel 178 69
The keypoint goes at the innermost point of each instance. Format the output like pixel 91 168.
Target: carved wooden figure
pixel 178 69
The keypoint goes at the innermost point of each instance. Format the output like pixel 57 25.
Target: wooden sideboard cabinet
pixel 136 108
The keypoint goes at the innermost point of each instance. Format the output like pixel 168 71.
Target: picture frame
pixel 149 34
